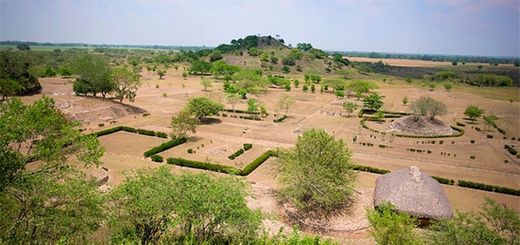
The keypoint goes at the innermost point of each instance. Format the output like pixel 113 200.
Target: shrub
pixel 202 165
pixel 461 124
pixel 247 146
pixel 101 125
pixel 161 135
pixel 472 157
pixel 128 129
pixel 444 180
pixel 472 141
pixel 157 158
pixel 107 131
pixel 146 114
pixel 370 169
pixel 165 146
pixel 489 136
pixel 236 154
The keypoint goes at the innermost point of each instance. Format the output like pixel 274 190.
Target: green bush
pixel 161 135
pixel 444 180
pixel 128 129
pixel 489 136
pixel 165 146
pixel 189 151
pixel 247 146
pixel 486 187
pixel 236 154
pixel 106 131
pixel 202 165
pixel 157 158
pixel 257 162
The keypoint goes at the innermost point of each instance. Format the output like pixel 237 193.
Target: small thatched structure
pixel 413 192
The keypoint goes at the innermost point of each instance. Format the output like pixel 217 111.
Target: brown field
pixel 415 63
pixel 319 110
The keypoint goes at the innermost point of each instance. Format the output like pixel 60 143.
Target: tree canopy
pixel 426 106
pixel 202 107
pixel 473 112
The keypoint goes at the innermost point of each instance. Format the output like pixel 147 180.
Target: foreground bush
pixel 391 227
pixel 317 174
pixel 157 206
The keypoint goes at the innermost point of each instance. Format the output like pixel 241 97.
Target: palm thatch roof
pixel 413 192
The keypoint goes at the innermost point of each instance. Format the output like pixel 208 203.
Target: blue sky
pixel 467 27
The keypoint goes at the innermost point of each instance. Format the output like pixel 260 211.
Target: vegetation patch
pixel 280 119
pixel 486 187
pixel 157 158
pixel 165 146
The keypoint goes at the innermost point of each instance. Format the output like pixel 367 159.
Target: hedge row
pixel 202 165
pixel 164 146
pixel 236 154
pixel 157 158
pixel 280 119
pixel 370 169
pixel 247 146
pixel 444 180
pixel 242 111
pixel 130 130
pixel 486 187
pixel 257 162
pixel 511 150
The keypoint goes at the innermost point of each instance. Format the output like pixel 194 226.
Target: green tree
pixel 373 102
pixel 126 83
pixel 360 87
pixel 296 83
pixel 233 99
pixel 285 102
pixel 312 77
pixel 182 123
pixel 220 69
pixel 202 107
pixel 317 175
pixel 161 73
pixel 252 105
pixel 349 107
pixel 215 55
pixel 15 75
pixel 94 75
pixel 473 112
pixel 206 83
pixel 426 106
pixel 23 47
pixel 392 227
pixel 8 87
pixel 200 67
pixel 286 69
pixel 52 200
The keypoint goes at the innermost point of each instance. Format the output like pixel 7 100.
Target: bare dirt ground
pixel 163 98
pixel 412 63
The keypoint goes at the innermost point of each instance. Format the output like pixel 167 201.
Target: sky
pixel 464 27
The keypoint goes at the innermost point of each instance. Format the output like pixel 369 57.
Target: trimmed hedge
pixel 157 158
pixel 370 169
pixel 257 162
pixel 280 119
pixel 145 132
pixel 202 165
pixel 444 180
pixel 486 187
pixel 130 130
pixel 242 111
pixel 247 146
pixel 161 135
pixel 164 146
pixel 107 131
pixel 236 154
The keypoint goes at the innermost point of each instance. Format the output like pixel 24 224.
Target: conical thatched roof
pixel 413 192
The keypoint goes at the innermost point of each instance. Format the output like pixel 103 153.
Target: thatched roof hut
pixel 413 192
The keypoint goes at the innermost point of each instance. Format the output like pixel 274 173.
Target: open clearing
pixel 162 98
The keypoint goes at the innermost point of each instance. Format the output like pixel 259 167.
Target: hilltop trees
pixel 316 175
pixel 473 112
pixel 126 83
pixel 426 106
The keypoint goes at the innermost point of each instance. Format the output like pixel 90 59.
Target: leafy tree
pixel 250 80
pixel 373 102
pixel 182 123
pixel 94 75
pixel 316 175
pixel 233 99
pixel 392 227
pixel 23 47
pixel 304 46
pixel 473 112
pixel 490 120
pixel 200 67
pixel 360 87
pixel 426 106
pixel 52 200
pixel 252 105
pixel 312 77
pixel 161 73
pixel 126 83
pixel 15 76
pixel 202 107
pixel 285 102
pixel 215 55
pixel 349 107
pixel 220 69
pixel 155 206
pixel 206 83
pixel 296 83
pixel 286 69
pixel 339 93
pixel 338 58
